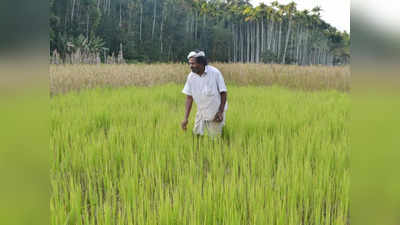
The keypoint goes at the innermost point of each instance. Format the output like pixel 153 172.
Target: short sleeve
pixel 187 89
pixel 221 83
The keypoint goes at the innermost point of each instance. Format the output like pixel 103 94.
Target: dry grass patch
pixel 65 78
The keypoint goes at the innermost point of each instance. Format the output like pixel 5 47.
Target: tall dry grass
pixel 65 78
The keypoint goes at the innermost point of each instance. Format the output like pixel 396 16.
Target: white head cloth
pixel 194 54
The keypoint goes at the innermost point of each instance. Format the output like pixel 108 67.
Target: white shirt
pixel 205 90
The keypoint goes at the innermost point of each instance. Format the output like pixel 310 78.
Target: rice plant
pixel 120 157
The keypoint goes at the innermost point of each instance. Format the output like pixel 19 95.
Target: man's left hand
pixel 218 117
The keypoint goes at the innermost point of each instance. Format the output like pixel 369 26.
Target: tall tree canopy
pixel 228 31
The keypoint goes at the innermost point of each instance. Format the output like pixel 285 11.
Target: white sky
pixel 383 14
pixel 334 12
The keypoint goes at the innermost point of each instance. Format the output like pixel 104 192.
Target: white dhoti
pixel 212 128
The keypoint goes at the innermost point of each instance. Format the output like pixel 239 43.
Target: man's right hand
pixel 184 124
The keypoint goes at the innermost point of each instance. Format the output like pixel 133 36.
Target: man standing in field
pixel 205 85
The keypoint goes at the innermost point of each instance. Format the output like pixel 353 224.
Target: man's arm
pixel 219 116
pixel 188 108
pixel 223 101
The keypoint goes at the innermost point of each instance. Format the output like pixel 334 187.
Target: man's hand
pixel 184 124
pixel 218 117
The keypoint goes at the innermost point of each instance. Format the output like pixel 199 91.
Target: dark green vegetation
pixel 165 31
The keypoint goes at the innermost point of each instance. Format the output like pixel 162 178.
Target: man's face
pixel 194 66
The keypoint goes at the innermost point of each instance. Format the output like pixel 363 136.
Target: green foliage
pixel 220 46
pixel 269 57
pixel 165 30
pixel 93 45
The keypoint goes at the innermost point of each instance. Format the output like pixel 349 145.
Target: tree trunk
pixel 241 36
pixel 254 42
pixel 77 13
pixel 253 46
pixel 154 19
pixel 270 35
pixel 72 10
pixel 120 14
pixel 203 35
pixel 292 52
pixel 130 19
pixel 305 50
pixel 192 24
pixel 87 25
pixel 279 39
pixel 299 36
pixel 251 42
pixel 248 42
pixel 195 25
pixel 234 42
pixel 287 41
pixel 109 7
pixel 258 43
pixel 187 25
pixel 275 37
pixel 262 35
pixel 141 22
pixel 161 30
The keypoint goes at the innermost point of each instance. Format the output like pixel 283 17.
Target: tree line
pixel 165 30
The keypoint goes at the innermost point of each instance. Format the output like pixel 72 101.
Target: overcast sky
pixel 382 14
pixel 334 12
